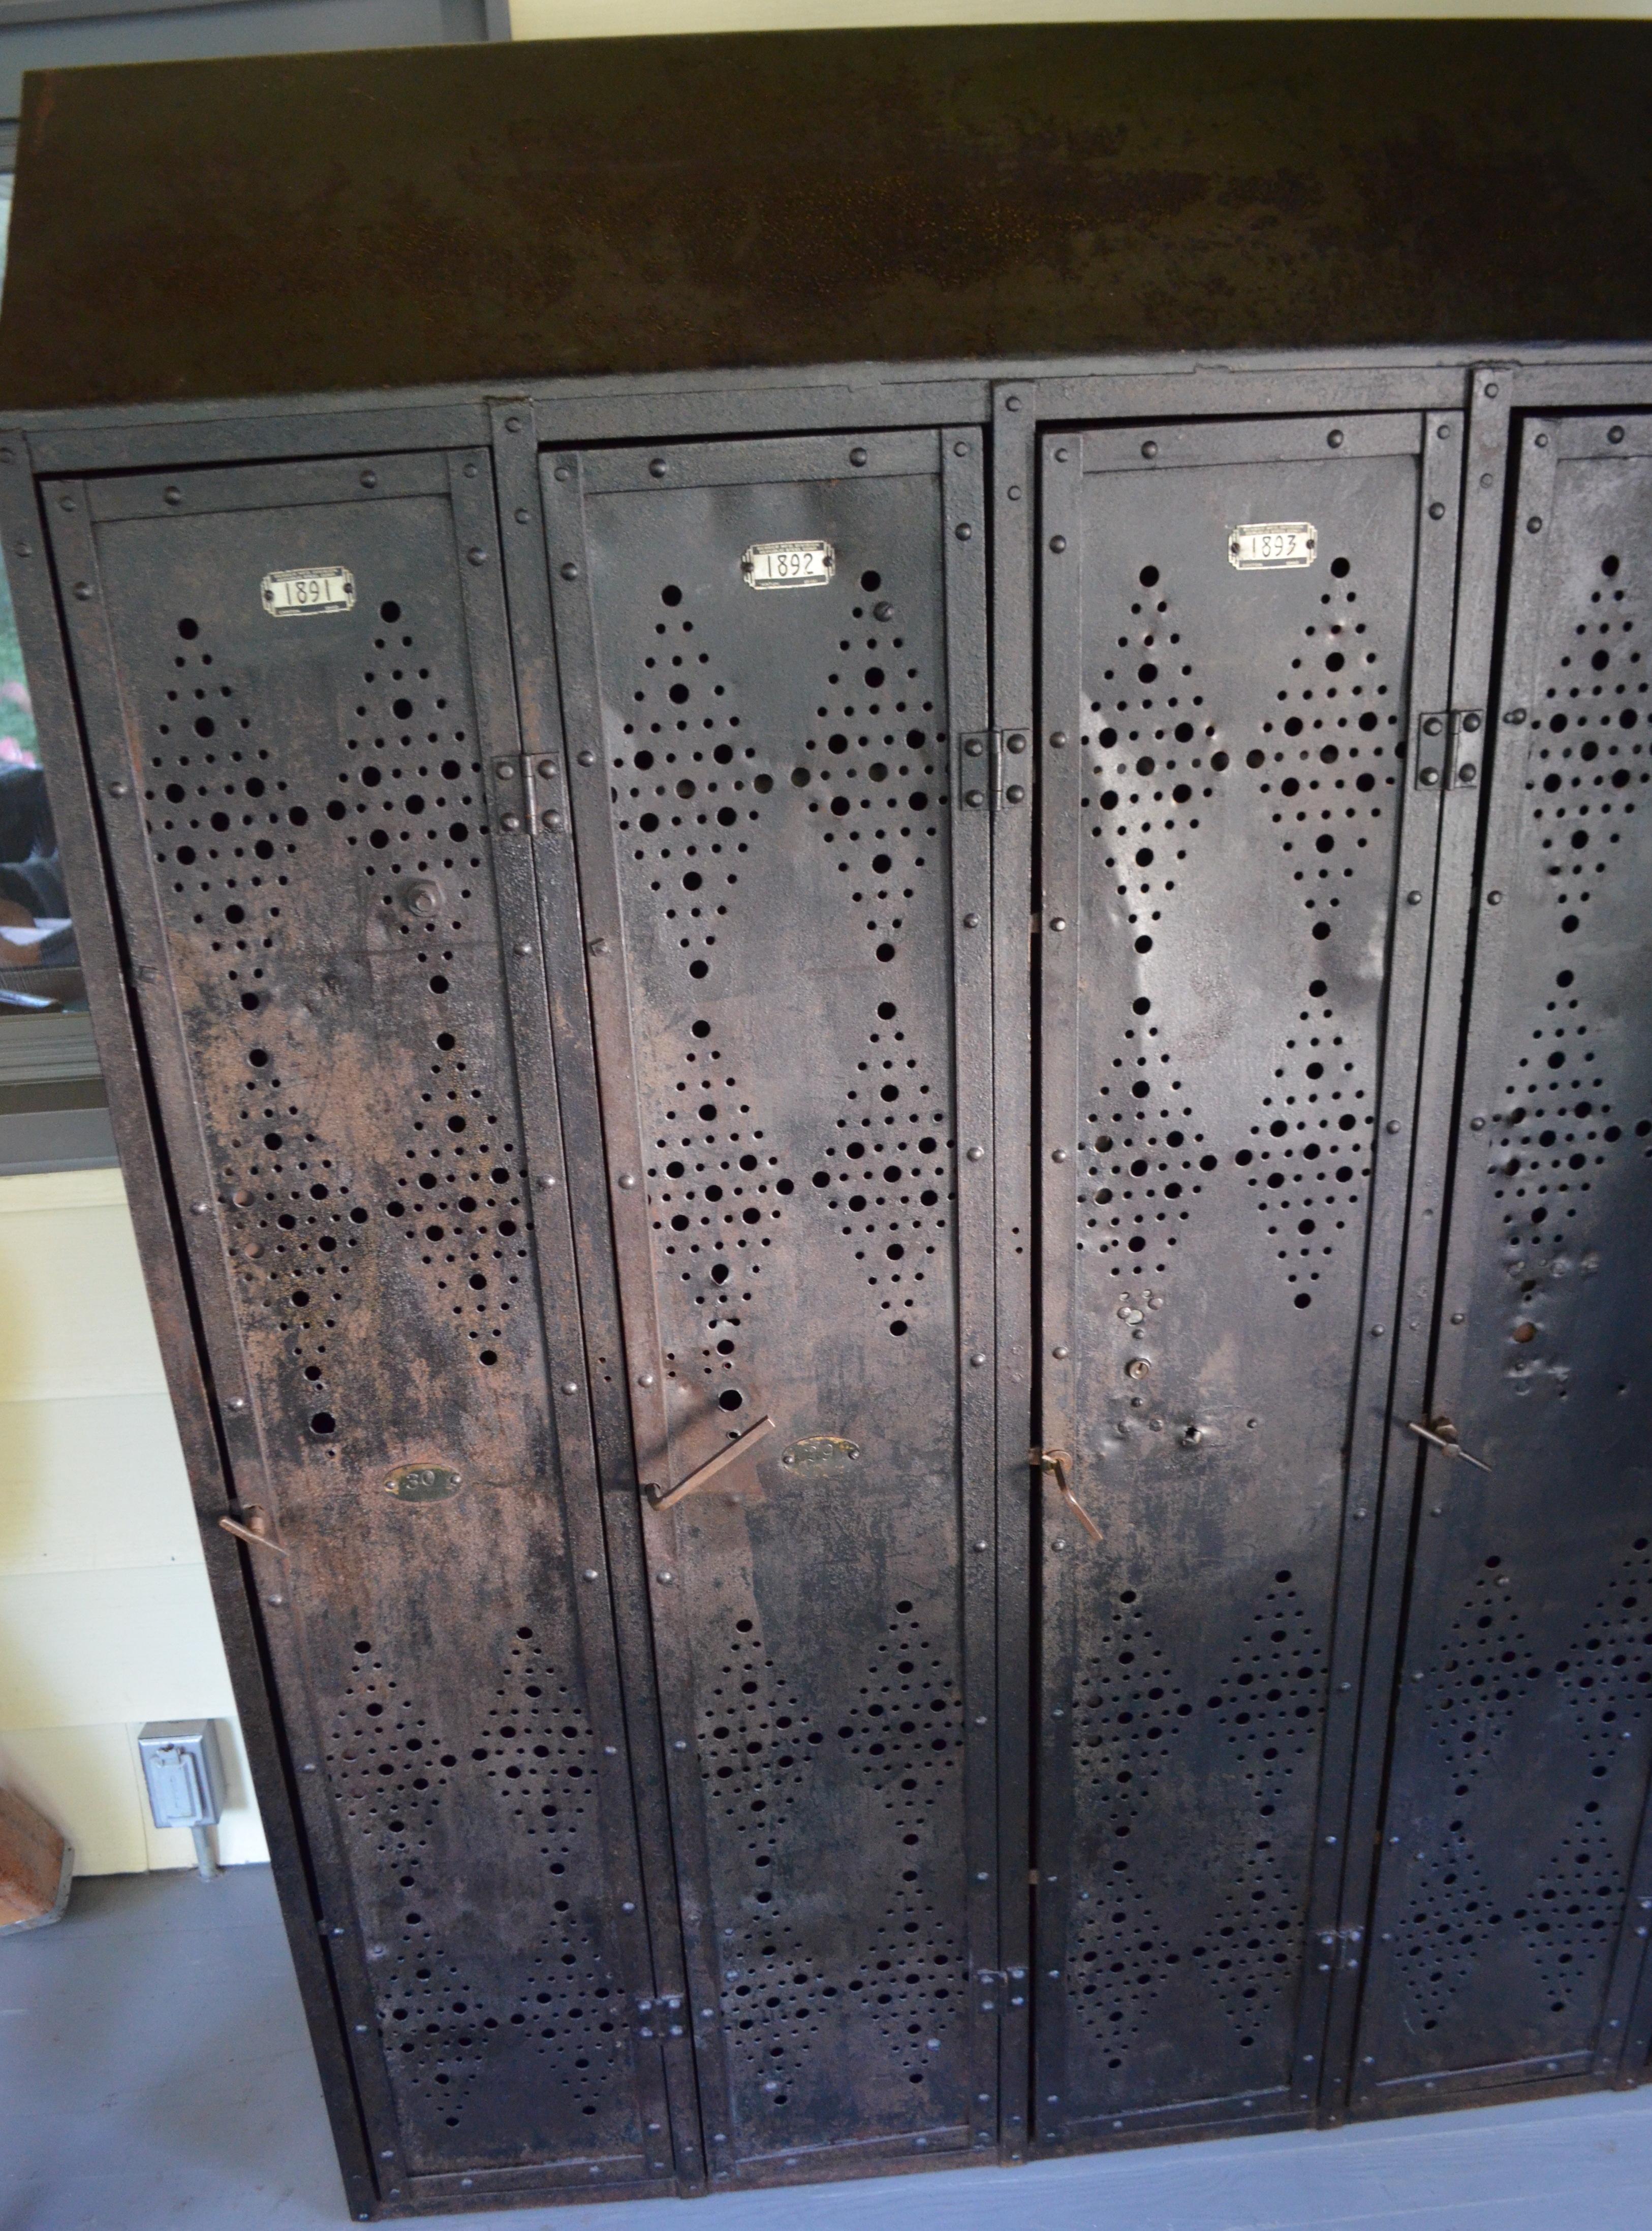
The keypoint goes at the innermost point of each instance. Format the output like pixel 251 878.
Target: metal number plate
pixel 309 589
pixel 1271 546
pixel 789 565
pixel 424 1483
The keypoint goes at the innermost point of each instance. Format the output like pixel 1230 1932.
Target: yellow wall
pixel 592 19
pixel 106 1621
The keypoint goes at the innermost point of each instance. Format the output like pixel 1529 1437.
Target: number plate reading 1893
pixel 1279 543
pixel 789 565
pixel 309 589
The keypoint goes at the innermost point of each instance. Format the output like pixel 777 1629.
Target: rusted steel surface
pixel 1226 803
pixel 299 822
pixel 762 802
pixel 641 206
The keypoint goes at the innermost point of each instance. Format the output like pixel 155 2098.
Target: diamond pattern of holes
pixel 1122 1956
pixel 1129 1710
pixel 295 1230
pixel 761 1746
pixel 1334 676
pixel 462 1213
pixel 1327 793
pixel 217 807
pixel 1552 1145
pixel 1154 1181
pixel 697 826
pixel 448 2035
pixel 1438 1943
pixel 1492 1683
pixel 229 827
pixel 1596 682
pixel 390 1769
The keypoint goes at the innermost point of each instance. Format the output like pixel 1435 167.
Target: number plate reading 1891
pixel 309 589
pixel 789 565
pixel 1279 543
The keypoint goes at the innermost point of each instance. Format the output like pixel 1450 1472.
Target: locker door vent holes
pixel 1589 786
pixel 1325 795
pixel 445 2020
pixel 705 831
pixel 1129 1710
pixel 1493 1701
pixel 763 1743
pixel 227 828
pixel 1152 1196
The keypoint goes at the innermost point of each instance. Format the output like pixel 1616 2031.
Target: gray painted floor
pixel 154 2072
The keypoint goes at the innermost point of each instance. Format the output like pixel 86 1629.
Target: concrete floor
pixel 154 2072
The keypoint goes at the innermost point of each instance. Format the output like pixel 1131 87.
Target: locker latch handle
pixel 664 1497
pixel 1055 1463
pixel 1441 1434
pixel 257 1533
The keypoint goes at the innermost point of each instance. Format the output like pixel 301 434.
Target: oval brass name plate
pixel 821 1452
pixel 423 1484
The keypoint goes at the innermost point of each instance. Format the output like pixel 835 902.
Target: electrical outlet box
pixel 185 1772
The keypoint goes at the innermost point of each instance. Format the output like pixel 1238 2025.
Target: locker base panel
pixel 1164 2126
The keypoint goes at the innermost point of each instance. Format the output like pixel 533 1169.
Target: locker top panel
pixel 312 223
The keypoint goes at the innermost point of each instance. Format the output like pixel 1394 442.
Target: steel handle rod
pixel 664 1497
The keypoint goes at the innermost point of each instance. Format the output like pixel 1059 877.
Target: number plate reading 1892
pixel 309 589
pixel 1279 543
pixel 789 565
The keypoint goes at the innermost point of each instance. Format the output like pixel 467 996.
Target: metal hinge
pixel 978 769
pixel 1350 1938
pixel 993 768
pixel 1447 750
pixel 660 2017
pixel 1001 1988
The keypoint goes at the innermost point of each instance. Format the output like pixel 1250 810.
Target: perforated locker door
pixel 1237 618
pixel 1511 1900
pixel 785 920
pixel 355 1104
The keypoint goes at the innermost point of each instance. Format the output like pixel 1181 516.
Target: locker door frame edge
pixel 1415 1105
pixel 1478 513
pixel 1013 456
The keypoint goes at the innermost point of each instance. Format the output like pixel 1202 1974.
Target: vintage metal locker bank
pixel 863 826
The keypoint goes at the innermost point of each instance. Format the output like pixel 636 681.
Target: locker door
pixel 293 676
pixel 1237 620
pixel 768 650
pixel 1512 1906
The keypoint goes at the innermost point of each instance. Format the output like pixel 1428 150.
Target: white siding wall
pixel 106 1621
